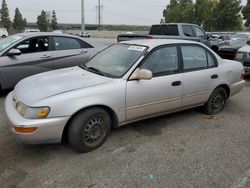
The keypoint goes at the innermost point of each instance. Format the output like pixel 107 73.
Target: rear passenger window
pixel 211 62
pixel 194 58
pixel 66 43
pixel 187 30
pixel 163 61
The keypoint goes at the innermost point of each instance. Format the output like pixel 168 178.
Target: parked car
pixel 243 55
pixel 124 83
pixel 3 33
pixel 184 31
pixel 31 31
pixel 84 34
pixel 238 40
pixel 224 40
pixel 26 54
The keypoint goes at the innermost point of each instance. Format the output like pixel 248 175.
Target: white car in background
pixel 31 31
pixel 243 55
pixel 3 33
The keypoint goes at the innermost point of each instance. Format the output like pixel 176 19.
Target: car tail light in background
pixel 242 75
pixel 149 37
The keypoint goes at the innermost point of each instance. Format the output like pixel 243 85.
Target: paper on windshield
pixel 137 48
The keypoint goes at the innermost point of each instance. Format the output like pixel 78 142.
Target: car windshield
pixel 240 36
pixel 5 43
pixel 116 60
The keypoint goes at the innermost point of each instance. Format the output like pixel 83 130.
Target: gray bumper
pixel 48 130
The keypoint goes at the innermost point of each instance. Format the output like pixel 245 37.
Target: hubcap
pixel 218 102
pixel 94 131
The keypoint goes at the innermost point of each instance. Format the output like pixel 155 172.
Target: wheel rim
pixel 218 102
pixel 94 131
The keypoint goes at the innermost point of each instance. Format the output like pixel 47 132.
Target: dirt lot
pixel 186 149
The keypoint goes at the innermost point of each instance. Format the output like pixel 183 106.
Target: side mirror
pixel 141 74
pixel 208 35
pixel 14 52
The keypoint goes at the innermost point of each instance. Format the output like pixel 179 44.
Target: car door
pixel 70 52
pixel 201 35
pixel 200 74
pixel 160 94
pixel 36 57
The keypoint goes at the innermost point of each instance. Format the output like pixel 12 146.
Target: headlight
pixel 32 112
pixel 239 56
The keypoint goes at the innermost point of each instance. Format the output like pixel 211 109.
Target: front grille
pixel 227 54
pixel 246 64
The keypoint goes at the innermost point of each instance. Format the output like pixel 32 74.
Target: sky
pixel 132 12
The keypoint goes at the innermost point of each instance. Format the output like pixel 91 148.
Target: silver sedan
pixel 26 54
pixel 125 83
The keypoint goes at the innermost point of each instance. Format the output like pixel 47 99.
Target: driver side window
pixel 162 62
pixel 38 44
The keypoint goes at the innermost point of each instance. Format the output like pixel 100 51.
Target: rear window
pixel 164 30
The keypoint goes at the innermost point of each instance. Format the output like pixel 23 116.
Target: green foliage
pixel 227 15
pixel 42 21
pixel 212 15
pixel 19 23
pixel 5 16
pixel 54 23
pixel 179 11
pixel 246 14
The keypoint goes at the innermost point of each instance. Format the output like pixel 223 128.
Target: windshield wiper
pixel 83 66
pixel 95 70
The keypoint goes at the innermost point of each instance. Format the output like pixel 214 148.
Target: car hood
pixel 41 86
pixel 244 49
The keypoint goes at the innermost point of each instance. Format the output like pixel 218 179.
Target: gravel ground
pixel 186 149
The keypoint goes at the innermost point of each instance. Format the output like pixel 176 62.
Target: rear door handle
pixel 215 76
pixel 45 56
pixel 176 83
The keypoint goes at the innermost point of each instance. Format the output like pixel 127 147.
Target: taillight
pixel 242 75
pixel 149 37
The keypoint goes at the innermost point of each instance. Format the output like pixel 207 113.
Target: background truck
pixel 183 31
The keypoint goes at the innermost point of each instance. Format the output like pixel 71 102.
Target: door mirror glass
pixel 141 74
pixel 14 52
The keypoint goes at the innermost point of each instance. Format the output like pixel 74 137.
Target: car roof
pixel 37 34
pixel 158 42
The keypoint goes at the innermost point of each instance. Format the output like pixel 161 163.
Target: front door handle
pixel 83 52
pixel 215 76
pixel 176 83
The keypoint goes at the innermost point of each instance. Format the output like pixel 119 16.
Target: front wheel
pixel 216 102
pixel 89 129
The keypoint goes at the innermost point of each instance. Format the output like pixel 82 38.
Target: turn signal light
pixel 25 130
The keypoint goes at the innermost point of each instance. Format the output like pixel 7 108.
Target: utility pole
pixel 83 18
pixel 99 14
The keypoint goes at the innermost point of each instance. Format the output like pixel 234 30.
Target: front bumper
pixel 49 130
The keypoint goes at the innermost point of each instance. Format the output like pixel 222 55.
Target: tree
pixel 179 11
pixel 42 22
pixel 5 16
pixel 54 23
pixel 246 14
pixel 227 15
pixel 203 13
pixel 19 23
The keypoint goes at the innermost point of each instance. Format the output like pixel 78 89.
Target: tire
pixel 89 129
pixel 216 102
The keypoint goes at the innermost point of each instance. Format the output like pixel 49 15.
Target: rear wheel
pixel 216 101
pixel 89 129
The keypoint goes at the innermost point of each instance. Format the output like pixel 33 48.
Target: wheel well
pixel 113 116
pixel 226 87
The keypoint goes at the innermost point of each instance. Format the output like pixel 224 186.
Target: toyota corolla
pixel 125 83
